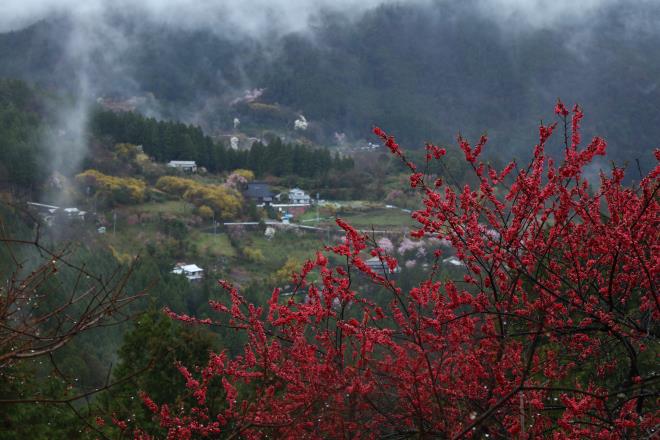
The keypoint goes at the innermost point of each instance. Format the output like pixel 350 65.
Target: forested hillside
pixel 169 140
pixel 20 118
pixel 422 70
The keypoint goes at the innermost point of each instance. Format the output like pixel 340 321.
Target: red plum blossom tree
pixel 551 333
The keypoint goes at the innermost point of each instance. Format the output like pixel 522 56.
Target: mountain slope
pixel 424 72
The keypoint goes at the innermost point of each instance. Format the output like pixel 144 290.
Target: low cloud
pixel 254 17
pixel 263 17
pixel 96 41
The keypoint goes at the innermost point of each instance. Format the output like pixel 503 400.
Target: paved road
pixel 311 228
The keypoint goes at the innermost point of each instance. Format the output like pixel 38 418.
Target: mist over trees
pixel 416 68
pixel 170 140
pixel 19 135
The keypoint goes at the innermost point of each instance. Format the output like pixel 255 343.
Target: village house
pixel 380 267
pixel 189 166
pixel 259 192
pixel 454 261
pixel 191 271
pixel 74 213
pixel 52 213
pixel 298 197
pixel 43 208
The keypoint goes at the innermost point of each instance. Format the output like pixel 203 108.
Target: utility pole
pixel 114 222
pixel 318 219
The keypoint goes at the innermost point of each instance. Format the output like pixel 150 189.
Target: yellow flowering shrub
pixel 115 190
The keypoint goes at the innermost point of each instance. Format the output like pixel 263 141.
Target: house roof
pixel 43 205
pixel 189 163
pixel 375 261
pixel 258 190
pixel 191 268
pixel 380 266
pixel 455 261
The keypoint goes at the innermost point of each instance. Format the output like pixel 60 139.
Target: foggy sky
pixel 94 33
pixel 257 17
pixel 247 16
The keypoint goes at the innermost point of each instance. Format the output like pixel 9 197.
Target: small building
pixel 189 166
pixel 298 196
pixel 45 212
pixel 381 267
pixel 191 271
pixel 51 213
pixel 454 261
pixel 74 213
pixel 259 192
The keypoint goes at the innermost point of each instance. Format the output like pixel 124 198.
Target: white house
pixel 49 213
pixel 192 271
pixel 454 261
pixel 183 165
pixel 381 267
pixel 298 197
pixel 75 213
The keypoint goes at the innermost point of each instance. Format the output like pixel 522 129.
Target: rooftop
pixel 258 190
pixel 187 267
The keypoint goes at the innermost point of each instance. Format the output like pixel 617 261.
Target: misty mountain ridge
pixel 422 71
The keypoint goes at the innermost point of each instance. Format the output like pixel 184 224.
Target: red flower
pixel 532 321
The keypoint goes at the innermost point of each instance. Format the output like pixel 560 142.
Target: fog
pixel 100 38
pixel 253 17
pixel 263 17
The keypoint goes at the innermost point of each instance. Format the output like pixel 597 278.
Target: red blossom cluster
pixel 551 333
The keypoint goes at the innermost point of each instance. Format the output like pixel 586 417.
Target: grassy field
pixel 174 207
pixel 212 245
pixel 379 217
pixel 362 215
pixel 285 244
pixel 131 240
